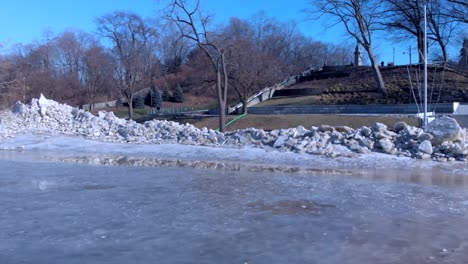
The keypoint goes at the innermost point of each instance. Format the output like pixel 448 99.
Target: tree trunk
pixel 242 99
pixel 130 106
pixel 225 86
pixel 244 106
pixel 375 69
pixel 444 50
pixel 222 91
pixel 222 116
pixel 221 104
pixel 91 103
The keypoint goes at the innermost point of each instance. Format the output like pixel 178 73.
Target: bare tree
pixel 52 66
pixel 249 69
pixel 174 49
pixel 405 17
pixel 341 54
pixel 441 26
pixel 360 19
pixel 132 46
pixel 9 82
pixel 36 62
pixel 97 72
pixel 458 10
pixel 68 63
pixel 70 47
pixel 277 40
pixel 173 52
pixel 193 25
pixel 195 73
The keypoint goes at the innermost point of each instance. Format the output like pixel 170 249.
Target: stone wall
pixel 99 105
pixel 349 109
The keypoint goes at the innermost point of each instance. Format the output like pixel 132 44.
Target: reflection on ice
pixel 76 213
pixel 426 177
pixel 434 175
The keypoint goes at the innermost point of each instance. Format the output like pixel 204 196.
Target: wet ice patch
pixel 98 187
pixel 290 207
pixel 101 233
pixel 43 185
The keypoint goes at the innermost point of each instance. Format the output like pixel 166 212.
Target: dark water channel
pixel 55 212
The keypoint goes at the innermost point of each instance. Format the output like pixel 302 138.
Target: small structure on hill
pixel 358 56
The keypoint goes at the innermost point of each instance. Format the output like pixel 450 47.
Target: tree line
pixel 403 19
pixel 127 53
pixel 184 47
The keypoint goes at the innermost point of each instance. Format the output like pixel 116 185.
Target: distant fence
pixel 350 109
pixel 172 110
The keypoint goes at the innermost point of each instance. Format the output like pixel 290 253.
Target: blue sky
pixel 24 21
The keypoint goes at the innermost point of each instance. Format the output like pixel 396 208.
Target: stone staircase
pixel 267 93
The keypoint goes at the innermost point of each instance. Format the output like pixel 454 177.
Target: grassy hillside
pixel 357 86
pixel 351 85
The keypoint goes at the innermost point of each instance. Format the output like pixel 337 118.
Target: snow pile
pixel 444 139
pixel 48 116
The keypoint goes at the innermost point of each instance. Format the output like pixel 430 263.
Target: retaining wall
pixel 462 120
pixel 298 92
pixel 99 105
pixel 350 109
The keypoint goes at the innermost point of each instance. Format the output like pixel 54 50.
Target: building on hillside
pixel 358 56
pixel 463 62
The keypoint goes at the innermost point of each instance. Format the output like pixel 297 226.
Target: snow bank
pixel 50 117
pixel 444 139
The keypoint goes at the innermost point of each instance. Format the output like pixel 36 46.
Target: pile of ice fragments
pixel 443 139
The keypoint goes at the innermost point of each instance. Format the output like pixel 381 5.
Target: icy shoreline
pixel 49 126
pixel 371 165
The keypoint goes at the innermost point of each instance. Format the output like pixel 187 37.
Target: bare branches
pixel 406 18
pixel 359 17
pixel 133 51
pixel 457 10
pixel 193 25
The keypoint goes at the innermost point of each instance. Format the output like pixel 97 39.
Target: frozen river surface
pixel 75 213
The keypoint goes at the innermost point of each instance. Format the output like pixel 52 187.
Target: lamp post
pixel 410 61
pixel 409 53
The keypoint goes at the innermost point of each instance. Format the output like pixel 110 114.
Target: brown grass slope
pixel 356 85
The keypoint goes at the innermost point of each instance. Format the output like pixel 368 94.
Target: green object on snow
pixel 232 121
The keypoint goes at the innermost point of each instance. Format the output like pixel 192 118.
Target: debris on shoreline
pixel 443 139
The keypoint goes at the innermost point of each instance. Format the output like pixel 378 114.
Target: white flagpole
pixel 425 65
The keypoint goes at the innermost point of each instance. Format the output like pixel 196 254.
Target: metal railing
pixel 171 110
pixel 287 82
